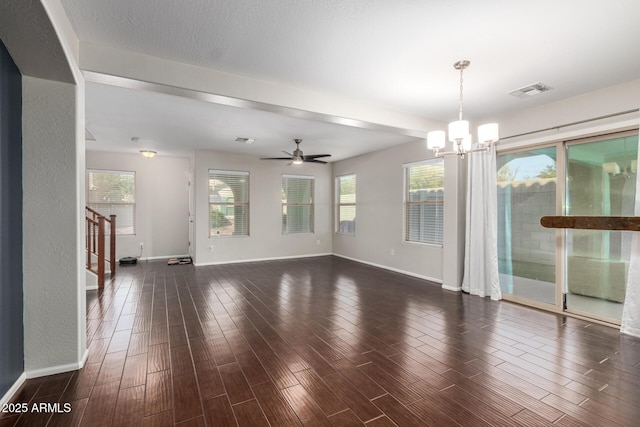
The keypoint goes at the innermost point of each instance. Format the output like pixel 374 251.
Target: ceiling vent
pixel 530 90
pixel 245 140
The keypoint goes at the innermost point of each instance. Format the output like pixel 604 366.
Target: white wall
pixel 162 203
pixel 611 100
pixel 380 213
pixel 266 240
pixel 54 327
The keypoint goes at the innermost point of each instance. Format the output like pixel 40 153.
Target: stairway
pixel 97 227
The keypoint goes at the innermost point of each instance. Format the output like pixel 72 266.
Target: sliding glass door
pixel 526 250
pixel 579 271
pixel 601 181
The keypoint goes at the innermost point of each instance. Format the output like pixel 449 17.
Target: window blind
pixel 228 203
pixel 114 193
pixel 424 202
pixel 297 204
pixel 346 204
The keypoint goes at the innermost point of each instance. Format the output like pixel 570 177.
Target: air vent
pixel 530 90
pixel 245 140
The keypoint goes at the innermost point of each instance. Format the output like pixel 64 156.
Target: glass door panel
pixel 526 250
pixel 601 181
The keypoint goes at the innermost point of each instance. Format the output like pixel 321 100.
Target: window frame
pixel 285 205
pixel 245 205
pixel 339 229
pixel 407 203
pixel 106 208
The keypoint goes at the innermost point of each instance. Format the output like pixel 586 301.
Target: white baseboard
pixel 84 358
pixel 36 373
pixel 395 270
pixel 13 389
pixel 153 258
pixel 260 259
pixel 451 288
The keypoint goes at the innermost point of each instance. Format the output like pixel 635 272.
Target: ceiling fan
pixel 298 157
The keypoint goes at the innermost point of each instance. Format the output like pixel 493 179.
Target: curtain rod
pixel 635 110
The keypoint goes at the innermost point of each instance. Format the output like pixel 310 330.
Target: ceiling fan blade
pixel 316 156
pixel 297 155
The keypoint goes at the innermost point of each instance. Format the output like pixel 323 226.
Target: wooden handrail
pixel 584 222
pixel 94 212
pixel 96 226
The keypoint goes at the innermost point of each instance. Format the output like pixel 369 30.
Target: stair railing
pixel 96 230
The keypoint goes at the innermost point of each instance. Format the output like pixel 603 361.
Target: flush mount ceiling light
pixel 245 140
pixel 148 153
pixel 488 134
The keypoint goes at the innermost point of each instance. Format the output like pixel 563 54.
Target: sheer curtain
pixel 631 310
pixel 481 236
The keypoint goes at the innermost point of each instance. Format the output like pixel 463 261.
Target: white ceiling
pixel 396 54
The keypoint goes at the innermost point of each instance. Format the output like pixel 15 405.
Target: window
pixel 424 201
pixel 114 193
pixel 297 204
pixel 346 204
pixel 228 203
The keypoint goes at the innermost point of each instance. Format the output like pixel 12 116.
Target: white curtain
pixel 481 242
pixel 631 310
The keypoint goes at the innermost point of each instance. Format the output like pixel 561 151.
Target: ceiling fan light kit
pixel 298 157
pixel 488 134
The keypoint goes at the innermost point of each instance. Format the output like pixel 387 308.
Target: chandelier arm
pixel 487 147
pixel 449 153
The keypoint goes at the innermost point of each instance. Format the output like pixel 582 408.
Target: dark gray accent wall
pixel 11 317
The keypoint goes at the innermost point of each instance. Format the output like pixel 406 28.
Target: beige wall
pixel 162 203
pixel 266 240
pixel 380 217
pixel 55 336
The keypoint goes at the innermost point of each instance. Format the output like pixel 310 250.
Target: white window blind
pixel 424 202
pixel 228 203
pixel 114 193
pixel 297 204
pixel 346 204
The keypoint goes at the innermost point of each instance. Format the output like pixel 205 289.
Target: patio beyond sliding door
pixel 601 181
pixel 526 250
pixel 579 271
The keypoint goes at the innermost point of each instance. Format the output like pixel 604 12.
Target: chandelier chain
pixel 461 86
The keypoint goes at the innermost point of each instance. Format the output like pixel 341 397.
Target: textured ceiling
pixel 394 54
pixel 31 40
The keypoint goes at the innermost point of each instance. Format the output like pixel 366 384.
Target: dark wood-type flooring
pixel 330 342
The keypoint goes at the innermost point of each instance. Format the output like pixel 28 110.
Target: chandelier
pixel 459 131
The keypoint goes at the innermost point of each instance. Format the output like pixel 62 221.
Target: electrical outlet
pixel 318 242
pixel 393 251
